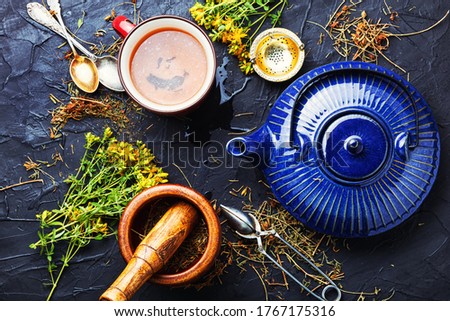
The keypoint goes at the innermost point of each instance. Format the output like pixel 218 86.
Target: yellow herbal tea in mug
pixel 168 67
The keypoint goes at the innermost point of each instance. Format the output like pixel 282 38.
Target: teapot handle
pixel 306 85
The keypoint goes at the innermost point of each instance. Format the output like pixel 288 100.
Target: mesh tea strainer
pixel 277 54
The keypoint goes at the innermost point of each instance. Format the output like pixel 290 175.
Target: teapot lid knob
pixel 354 144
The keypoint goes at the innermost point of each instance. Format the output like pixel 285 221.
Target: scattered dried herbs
pixel 236 22
pixel 243 254
pixel 361 38
pixel 313 245
pixel 319 248
pixel 110 174
pixel 36 167
pixel 81 107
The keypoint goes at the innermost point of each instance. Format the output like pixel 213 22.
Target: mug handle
pixel 122 25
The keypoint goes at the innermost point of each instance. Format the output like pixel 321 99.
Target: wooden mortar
pixel 162 241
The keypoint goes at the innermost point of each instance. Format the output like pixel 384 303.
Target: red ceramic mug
pixel 166 64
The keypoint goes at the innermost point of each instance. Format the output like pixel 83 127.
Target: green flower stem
pixel 70 253
pixel 263 19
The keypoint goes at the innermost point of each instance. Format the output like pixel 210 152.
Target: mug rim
pixel 190 103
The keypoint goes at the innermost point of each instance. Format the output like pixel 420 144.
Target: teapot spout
pixel 250 145
pixel 238 146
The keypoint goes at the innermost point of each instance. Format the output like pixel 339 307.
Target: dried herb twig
pixel 361 38
pixel 21 183
pixel 36 167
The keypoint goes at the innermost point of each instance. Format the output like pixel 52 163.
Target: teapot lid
pixel 351 149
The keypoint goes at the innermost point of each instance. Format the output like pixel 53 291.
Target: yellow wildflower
pixel 228 23
pixel 217 21
pixel 246 66
pixel 198 13
pixel 107 133
pixel 226 37
pixel 237 35
pixel 91 139
pixel 237 50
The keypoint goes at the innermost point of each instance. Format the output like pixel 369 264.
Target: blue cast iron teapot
pixel 350 149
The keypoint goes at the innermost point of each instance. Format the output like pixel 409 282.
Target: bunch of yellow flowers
pixel 229 22
pixel 110 174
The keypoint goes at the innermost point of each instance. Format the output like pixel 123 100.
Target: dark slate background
pixel 411 262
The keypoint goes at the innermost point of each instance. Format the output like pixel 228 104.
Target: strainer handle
pixel 374 70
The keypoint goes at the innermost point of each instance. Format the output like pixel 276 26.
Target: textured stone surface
pixel 412 260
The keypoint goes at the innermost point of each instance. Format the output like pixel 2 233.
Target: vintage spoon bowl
pixel 241 223
pixel 83 70
pixel 108 73
pixel 84 73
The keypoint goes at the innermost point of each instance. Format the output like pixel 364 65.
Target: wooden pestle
pixel 154 251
